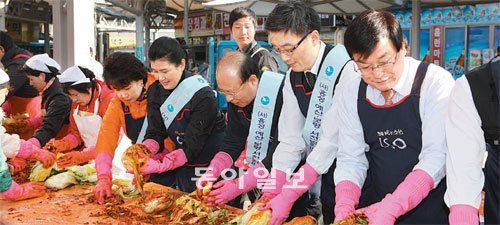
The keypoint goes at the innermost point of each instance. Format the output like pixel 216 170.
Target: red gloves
pixel 76 157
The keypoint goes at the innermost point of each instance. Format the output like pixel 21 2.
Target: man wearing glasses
pixel 242 22
pixel 392 145
pixel 307 96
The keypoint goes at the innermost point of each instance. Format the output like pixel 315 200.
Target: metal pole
pixel 3 10
pixel 146 46
pixel 186 17
pixel 101 46
pixel 46 41
pixel 139 34
pixel 415 29
pixel 139 37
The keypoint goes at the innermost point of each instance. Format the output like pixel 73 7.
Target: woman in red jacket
pixel 90 99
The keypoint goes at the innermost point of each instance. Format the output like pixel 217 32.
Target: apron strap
pixel 419 78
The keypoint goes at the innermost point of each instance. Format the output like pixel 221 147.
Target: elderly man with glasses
pixel 392 145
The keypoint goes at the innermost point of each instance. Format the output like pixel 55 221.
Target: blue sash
pixel 262 117
pixel 180 97
pixel 144 127
pixel 321 98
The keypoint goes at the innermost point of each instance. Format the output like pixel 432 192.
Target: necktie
pixel 311 79
pixel 388 95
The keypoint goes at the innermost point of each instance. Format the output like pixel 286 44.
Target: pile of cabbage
pixel 57 178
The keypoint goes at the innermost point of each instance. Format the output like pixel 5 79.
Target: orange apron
pixel 22 108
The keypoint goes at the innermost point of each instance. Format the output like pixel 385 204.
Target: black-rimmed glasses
pixel 290 51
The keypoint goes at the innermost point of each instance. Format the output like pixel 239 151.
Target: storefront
pixel 457 38
pixel 200 27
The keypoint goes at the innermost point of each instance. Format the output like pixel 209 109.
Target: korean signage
pixel 221 24
pixel 436 44
pixel 122 42
pixel 198 25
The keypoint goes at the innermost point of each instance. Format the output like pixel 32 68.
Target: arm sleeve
pixel 105 101
pixel 109 133
pixel 236 134
pixel 291 147
pixel 201 123
pixel 10 143
pixel 352 163
pixel 73 129
pixel 17 78
pixel 325 152
pixel 156 128
pixel 433 109
pixel 5 178
pixel 466 148
pixel 268 60
pixel 57 111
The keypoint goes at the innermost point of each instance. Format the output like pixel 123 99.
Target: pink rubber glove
pixel 31 149
pixel 6 108
pixel 274 183
pixel 347 196
pixel 407 196
pixel 226 190
pixel 103 164
pixel 281 205
pixel 35 122
pixel 18 164
pixel 18 192
pixel 241 161
pixel 152 145
pixel 220 162
pixel 463 215
pixel 171 161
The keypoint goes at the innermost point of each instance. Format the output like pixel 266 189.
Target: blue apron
pixel 394 135
pixel 134 127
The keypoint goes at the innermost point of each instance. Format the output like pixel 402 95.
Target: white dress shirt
pixel 292 147
pixel 352 163
pixel 466 148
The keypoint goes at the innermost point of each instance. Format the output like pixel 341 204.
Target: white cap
pixel 73 74
pixel 40 63
pixel 4 77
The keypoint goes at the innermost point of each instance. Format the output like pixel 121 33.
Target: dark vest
pixel 133 125
pixel 301 88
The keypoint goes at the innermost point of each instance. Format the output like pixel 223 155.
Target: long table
pixel 75 205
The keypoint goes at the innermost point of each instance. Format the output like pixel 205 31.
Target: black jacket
pixel 262 57
pixel 57 106
pixel 14 59
pixel 205 119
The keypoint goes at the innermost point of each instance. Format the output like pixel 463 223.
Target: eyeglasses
pixel 371 69
pixel 234 93
pixel 290 51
